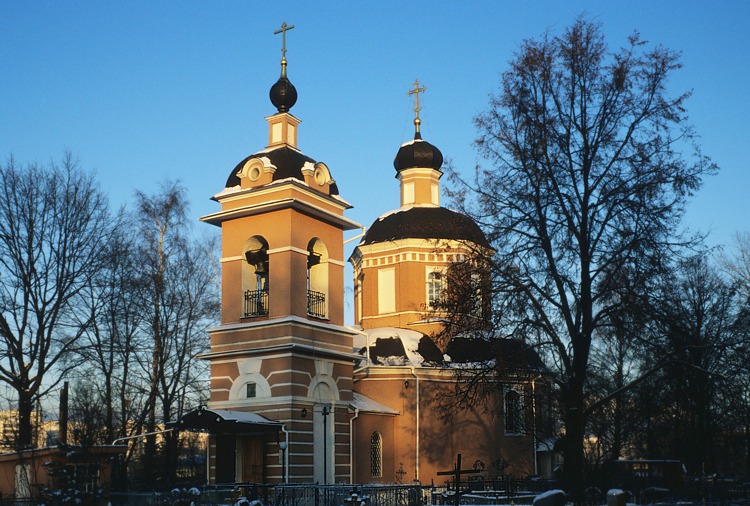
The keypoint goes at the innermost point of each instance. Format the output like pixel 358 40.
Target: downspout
pixel 361 234
pixel 126 438
pixel 533 421
pixel 208 460
pixel 351 444
pixel 416 460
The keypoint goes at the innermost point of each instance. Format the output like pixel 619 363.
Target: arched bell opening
pixel 255 276
pixel 317 279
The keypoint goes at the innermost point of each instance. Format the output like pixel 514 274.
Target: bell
pixel 313 259
pixel 256 257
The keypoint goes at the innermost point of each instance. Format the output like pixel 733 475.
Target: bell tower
pixel 282 351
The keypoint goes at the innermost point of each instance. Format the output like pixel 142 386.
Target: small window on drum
pixel 250 390
pixel 435 289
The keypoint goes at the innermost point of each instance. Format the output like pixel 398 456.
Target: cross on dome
pixel 284 28
pixel 416 91
pixel 283 94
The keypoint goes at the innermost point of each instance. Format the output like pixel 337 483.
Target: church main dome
pixel 424 223
pixel 418 153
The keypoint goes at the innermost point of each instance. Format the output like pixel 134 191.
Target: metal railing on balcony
pixel 256 303
pixel 316 304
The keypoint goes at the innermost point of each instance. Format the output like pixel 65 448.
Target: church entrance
pixel 225 461
pixel 253 460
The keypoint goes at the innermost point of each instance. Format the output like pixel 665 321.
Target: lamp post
pixel 282 446
pixel 326 411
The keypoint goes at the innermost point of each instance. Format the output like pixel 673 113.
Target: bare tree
pixel 697 324
pixel 180 300
pixel 107 350
pixel 585 191
pixel 54 228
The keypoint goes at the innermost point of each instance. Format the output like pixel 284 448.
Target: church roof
pixel 424 223
pixel 288 162
pixel 510 355
pixel 217 421
pixel 394 347
pixel 366 405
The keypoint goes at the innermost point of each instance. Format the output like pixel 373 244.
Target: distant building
pixel 44 433
pixel 298 396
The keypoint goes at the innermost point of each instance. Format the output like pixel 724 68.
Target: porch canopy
pixel 218 421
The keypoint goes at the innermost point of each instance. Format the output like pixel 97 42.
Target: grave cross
pixel 456 473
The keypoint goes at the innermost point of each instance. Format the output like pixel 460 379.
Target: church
pixel 296 395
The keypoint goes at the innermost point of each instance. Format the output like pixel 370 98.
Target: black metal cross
pixel 456 473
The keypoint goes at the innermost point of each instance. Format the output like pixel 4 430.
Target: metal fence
pixel 256 303
pixel 503 492
pixel 316 304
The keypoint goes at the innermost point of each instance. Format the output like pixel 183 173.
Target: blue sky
pixel 145 91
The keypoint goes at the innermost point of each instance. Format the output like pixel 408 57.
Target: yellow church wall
pixel 366 424
pixel 411 260
pixel 476 432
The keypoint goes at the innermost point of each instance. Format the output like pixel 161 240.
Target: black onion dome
pixel 288 163
pixel 425 223
pixel 418 153
pixel 283 94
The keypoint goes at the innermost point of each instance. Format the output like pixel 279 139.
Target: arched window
pixel 376 455
pixel 317 279
pixel 255 276
pixel 435 288
pixel 513 413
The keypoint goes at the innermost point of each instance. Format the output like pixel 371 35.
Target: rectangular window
pixel 514 419
pixel 251 390
pixel 435 287
pixel 477 309
pixel 386 291
pixel 408 193
pixel 358 294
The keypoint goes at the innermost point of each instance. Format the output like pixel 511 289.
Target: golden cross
pixel 282 31
pixel 416 91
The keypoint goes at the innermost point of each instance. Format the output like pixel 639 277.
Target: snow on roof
pixel 409 143
pixel 243 417
pixel 227 191
pixel 409 338
pixel 367 405
pixel 389 213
